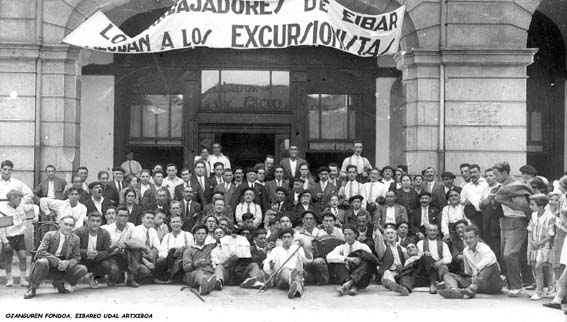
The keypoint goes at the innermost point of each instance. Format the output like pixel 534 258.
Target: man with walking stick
pixel 285 264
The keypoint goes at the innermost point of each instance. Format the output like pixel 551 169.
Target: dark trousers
pixel 489 280
pixel 41 270
pixel 512 238
pixel 361 275
pixel 495 245
pixel 169 268
pixel 108 266
pixel 236 274
pixel 316 272
pixel 428 271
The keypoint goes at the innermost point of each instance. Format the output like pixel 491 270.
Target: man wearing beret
pixel 288 274
pixel 439 196
pixel 303 206
pixel 97 202
pixel 356 202
pixel 322 190
pixel 260 192
pixel 424 215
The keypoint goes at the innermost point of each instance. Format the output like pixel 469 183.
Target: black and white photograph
pixel 283 160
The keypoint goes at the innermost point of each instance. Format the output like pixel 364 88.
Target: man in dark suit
pixel 278 181
pixel 58 256
pixel 179 189
pixel 94 249
pixel 457 245
pixel 390 212
pixel 108 191
pixel 260 193
pixel 227 187
pixel 117 184
pixel 162 201
pixel 439 194
pixel 291 164
pixel 282 200
pixel 135 214
pixel 403 238
pixel 434 187
pixel 304 205
pixel 423 216
pixel 190 210
pixel 322 190
pixel 148 192
pixel 97 202
pixel 199 183
pixel 52 187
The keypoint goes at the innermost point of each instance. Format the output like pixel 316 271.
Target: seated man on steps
pixel 482 272
pixel 436 256
pixel 169 264
pixel 199 271
pixel 286 261
pixel 393 258
pixel 352 263
pixel 58 257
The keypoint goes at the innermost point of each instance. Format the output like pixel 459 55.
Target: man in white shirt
pixel 288 272
pixel 374 191
pixel 362 164
pixel 146 235
pixel 131 166
pixel 170 252
pixel 172 180
pixel 436 257
pixel 316 272
pixel 217 156
pixel 12 237
pixel 248 206
pixel 120 236
pixel 291 164
pixel 482 272
pixel 7 182
pixel 329 229
pixel 353 272
pixel 57 209
pixel 473 192
pixel 351 187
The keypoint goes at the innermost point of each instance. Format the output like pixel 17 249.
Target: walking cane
pixel 264 287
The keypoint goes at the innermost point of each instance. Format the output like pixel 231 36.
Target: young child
pixel 541 231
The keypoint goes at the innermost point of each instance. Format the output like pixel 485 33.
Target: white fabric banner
pixel 248 25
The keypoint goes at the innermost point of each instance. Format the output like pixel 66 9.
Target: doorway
pixel 247 149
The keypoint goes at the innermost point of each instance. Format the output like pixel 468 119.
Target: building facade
pixel 474 81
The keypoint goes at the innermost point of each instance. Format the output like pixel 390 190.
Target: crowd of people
pixel 277 225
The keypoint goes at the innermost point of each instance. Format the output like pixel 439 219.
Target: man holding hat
pixel 288 273
pixel 322 190
pixel 248 206
pixel 97 202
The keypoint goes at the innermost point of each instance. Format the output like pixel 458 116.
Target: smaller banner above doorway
pixel 249 25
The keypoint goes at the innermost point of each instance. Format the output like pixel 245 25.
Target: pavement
pixel 168 302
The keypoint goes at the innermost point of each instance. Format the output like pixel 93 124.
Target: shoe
pixel 432 289
pixel 203 286
pixel 530 287
pixel 353 291
pixel 70 288
pixel 299 291
pixel 93 283
pixel 399 289
pixel 292 289
pixel 451 294
pixel 536 296
pixel 219 285
pixel 404 291
pixel 158 281
pixel 23 282
pixel 132 283
pixel 212 281
pixel 440 285
pixel 564 300
pixel 552 305
pixel 341 290
pixel 248 283
pixel 169 281
pixel 515 293
pixel 469 292
pixel 10 282
pixel 60 287
pixel 257 285
pixel 29 293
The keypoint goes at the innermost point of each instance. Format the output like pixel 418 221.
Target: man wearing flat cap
pixel 322 190
pixel 421 217
pixel 439 196
pixel 96 202
pixel 260 192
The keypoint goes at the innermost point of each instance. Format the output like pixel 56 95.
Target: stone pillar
pixel 485 107
pixel 60 109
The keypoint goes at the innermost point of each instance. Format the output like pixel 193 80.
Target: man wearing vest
pixel 482 272
pixel 393 258
pixel 436 256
